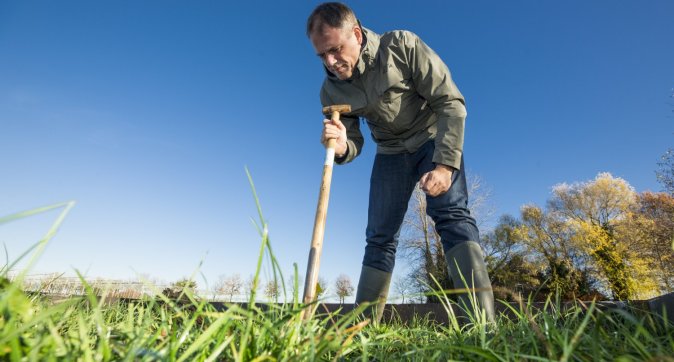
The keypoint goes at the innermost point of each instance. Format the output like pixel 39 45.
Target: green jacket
pixel 406 94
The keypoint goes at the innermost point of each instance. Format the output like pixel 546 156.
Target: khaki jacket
pixel 405 93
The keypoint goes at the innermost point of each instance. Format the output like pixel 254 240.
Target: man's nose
pixel 330 60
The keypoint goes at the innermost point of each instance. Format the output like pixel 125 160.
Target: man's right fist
pixel 337 131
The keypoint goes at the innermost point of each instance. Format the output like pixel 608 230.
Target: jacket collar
pixel 368 52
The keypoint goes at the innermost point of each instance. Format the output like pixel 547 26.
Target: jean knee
pixel 380 253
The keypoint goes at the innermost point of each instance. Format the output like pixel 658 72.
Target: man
pixel 416 116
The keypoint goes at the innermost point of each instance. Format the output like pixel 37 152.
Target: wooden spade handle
pixel 319 226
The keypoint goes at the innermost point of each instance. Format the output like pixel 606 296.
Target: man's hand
pixel 436 182
pixel 335 130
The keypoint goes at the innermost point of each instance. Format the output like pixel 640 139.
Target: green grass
pixel 34 328
pixel 37 329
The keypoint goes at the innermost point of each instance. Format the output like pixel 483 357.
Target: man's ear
pixel 358 32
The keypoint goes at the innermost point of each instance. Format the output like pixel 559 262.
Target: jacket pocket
pixel 390 90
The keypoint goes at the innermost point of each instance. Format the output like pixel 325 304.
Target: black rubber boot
pixel 373 288
pixel 466 262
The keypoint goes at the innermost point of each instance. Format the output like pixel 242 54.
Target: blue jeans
pixel 391 186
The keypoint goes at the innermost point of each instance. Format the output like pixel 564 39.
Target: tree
pixel 594 209
pixel 181 289
pixel 229 285
pixel 510 269
pixel 480 200
pixel 402 286
pixel 271 290
pixel 343 287
pixel 421 245
pixel 296 288
pixel 649 231
pixel 186 285
pixel 600 201
pixel 249 286
pixel 665 172
pixel 560 262
pixel 321 287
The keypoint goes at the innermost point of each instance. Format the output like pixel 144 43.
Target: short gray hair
pixel 333 14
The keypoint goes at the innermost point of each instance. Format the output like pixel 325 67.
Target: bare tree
pixel 271 290
pixel 229 285
pixel 343 287
pixel 665 172
pixel 480 203
pixel 402 286
pixel 296 288
pixel 218 286
pixel 249 286
pixel 421 245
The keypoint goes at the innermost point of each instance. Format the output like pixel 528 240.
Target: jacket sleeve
pixel 354 138
pixel 433 82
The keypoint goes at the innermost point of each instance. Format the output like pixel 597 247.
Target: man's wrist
pixel 346 152
pixel 445 167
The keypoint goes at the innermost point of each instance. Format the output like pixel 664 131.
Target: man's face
pixel 338 48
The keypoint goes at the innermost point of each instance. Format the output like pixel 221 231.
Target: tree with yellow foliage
pixel 512 269
pixel 594 211
pixel 649 230
pixel 547 240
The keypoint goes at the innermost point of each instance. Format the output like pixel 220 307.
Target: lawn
pixel 84 328
pixel 91 328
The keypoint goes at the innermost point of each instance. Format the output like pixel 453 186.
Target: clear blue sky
pixel 147 112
